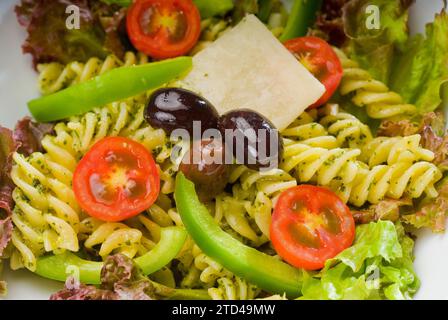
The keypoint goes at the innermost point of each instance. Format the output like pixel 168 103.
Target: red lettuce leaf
pixel 402 128
pixel 29 135
pixel 438 145
pixel 112 19
pixel 121 279
pixel 49 39
pixel 7 147
pixel 388 209
pixel 75 291
pixel 329 24
pixel 432 213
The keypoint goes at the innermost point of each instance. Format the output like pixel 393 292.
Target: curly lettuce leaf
pixel 121 279
pixel 387 209
pixel 329 24
pixel 29 134
pixel 49 39
pixel 377 266
pixel 422 69
pixel 7 146
pixel 375 49
pixel 432 213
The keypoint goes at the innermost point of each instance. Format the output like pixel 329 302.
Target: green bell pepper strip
pixel 211 8
pixel 55 267
pixel 114 85
pixel 302 17
pixel 122 3
pixel 256 267
pixel 207 8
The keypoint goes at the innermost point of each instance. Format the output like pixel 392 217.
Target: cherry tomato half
pixel 117 179
pixel 163 28
pixel 321 60
pixel 311 225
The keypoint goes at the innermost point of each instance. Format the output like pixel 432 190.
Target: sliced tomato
pixel 311 225
pixel 321 60
pixel 163 28
pixel 117 179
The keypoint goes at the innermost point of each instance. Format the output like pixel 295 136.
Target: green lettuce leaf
pixel 422 69
pixel 375 49
pixel 377 266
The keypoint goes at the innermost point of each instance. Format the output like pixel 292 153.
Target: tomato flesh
pixel 311 225
pixel 116 179
pixel 163 28
pixel 321 60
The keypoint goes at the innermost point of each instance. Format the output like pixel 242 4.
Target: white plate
pixel 18 85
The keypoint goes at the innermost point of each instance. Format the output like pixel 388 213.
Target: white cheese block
pixel 247 67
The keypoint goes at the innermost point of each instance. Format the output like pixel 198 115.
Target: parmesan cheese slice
pixel 247 67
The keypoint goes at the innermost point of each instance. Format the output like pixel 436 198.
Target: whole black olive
pixel 204 164
pixel 175 108
pixel 253 139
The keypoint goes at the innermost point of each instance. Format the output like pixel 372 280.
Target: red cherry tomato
pixel 163 28
pixel 117 179
pixel 311 225
pixel 321 60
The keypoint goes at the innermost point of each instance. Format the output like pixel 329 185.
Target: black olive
pixel 255 140
pixel 175 108
pixel 204 164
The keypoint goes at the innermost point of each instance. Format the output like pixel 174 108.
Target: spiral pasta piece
pixel 116 238
pixel 394 181
pixel 46 214
pixel 320 165
pixel 348 130
pixel 55 76
pixel 233 288
pixel 380 102
pixel 312 134
pixel 388 150
pixel 221 283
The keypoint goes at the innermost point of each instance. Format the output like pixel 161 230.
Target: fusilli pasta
pixel 393 181
pixel 46 214
pixel 55 76
pixel 379 101
pixel 383 150
pixel 348 130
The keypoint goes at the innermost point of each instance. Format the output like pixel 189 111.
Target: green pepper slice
pixel 114 85
pixel 256 267
pixel 207 8
pixel 55 267
pixel 302 16
pixel 211 8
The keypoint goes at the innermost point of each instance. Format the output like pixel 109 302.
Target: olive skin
pixel 210 177
pixel 246 127
pixel 175 108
